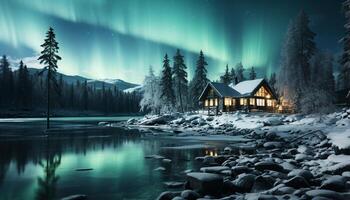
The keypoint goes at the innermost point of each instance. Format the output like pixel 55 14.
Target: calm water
pixel 34 166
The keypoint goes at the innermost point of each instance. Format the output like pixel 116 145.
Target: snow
pixel 247 87
pixel 133 89
pixel 191 146
pixel 340 138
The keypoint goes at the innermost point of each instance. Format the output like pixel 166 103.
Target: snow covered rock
pixel 205 183
pixel 216 169
pixel 268 165
pixel 131 121
pixel 272 121
pixel 336 183
pixel 245 182
pixel 324 193
pixel 261 183
pixel 163 119
pixel 301 172
pixel 272 145
pixel 236 170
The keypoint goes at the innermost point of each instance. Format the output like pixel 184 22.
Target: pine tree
pixel 49 58
pixel 166 82
pixel 233 76
pixel 252 74
pixel 6 83
pixel 85 99
pixel 272 81
pixel 180 81
pixel 240 72
pixel 298 49
pixel 226 78
pixel 151 93
pixel 199 80
pixel 344 76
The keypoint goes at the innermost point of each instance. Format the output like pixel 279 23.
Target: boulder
pixel 272 145
pixel 336 183
pixel 167 195
pixel 215 169
pixel 272 121
pixel 240 170
pixel 174 184
pixel 301 172
pixel 268 165
pixel 163 119
pixel 209 160
pixel 261 184
pixel 245 182
pixel 205 183
pixel 302 157
pixel 267 197
pixel 297 182
pixel 189 195
pixel 324 193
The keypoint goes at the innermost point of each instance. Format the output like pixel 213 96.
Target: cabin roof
pixel 224 90
pixel 246 88
pixel 242 89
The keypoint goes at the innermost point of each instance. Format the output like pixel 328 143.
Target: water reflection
pixel 38 168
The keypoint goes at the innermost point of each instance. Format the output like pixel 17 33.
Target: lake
pixel 80 158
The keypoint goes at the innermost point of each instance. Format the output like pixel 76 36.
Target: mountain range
pixel 97 83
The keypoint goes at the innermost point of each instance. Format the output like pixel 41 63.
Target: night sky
pixel 122 38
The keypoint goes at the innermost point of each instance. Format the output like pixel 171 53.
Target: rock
pixel 75 197
pixel 301 172
pixel 210 118
pixel 163 119
pixel 227 150
pixel 324 193
pixel 178 121
pixel 205 183
pixel 174 184
pixel 346 175
pixel 189 195
pixel 336 183
pixel 159 169
pixel 245 182
pixel 284 190
pixel 178 198
pixel 215 169
pixel 240 170
pixel 103 123
pixel 267 197
pixel 303 157
pixel 272 145
pixel 297 182
pixel 268 165
pixel 209 160
pixel 167 195
pixel 272 121
pixel 261 184
pixel 166 161
pixel 131 121
pixel 339 168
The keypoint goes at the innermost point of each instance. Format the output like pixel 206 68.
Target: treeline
pixel 21 90
pixel 171 91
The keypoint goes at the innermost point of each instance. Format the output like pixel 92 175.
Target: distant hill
pixel 109 83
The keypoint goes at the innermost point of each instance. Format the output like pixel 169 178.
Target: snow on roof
pixel 247 87
pixel 224 90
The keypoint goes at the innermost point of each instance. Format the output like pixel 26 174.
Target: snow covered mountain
pixel 109 83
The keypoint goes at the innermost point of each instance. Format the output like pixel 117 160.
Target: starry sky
pixel 122 38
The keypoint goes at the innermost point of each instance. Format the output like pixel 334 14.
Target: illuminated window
pixel 243 101
pixel 211 102
pixel 262 92
pixel 269 102
pixel 260 102
pixel 228 102
pixel 252 101
pixel 216 102
pixel 206 103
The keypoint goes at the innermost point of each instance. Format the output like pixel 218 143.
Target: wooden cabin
pixel 251 95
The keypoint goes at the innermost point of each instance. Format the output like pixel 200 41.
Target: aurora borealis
pixel 121 38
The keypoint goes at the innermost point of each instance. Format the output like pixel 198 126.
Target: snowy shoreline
pixel 282 156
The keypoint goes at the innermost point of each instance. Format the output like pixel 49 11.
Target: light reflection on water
pixel 44 168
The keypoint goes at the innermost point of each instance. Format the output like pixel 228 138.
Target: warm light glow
pixel 211 102
pixel 206 103
pixel 216 102
pixel 262 92
pixel 243 101
pixel 269 102
pixel 260 102
pixel 252 101
pixel 228 101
